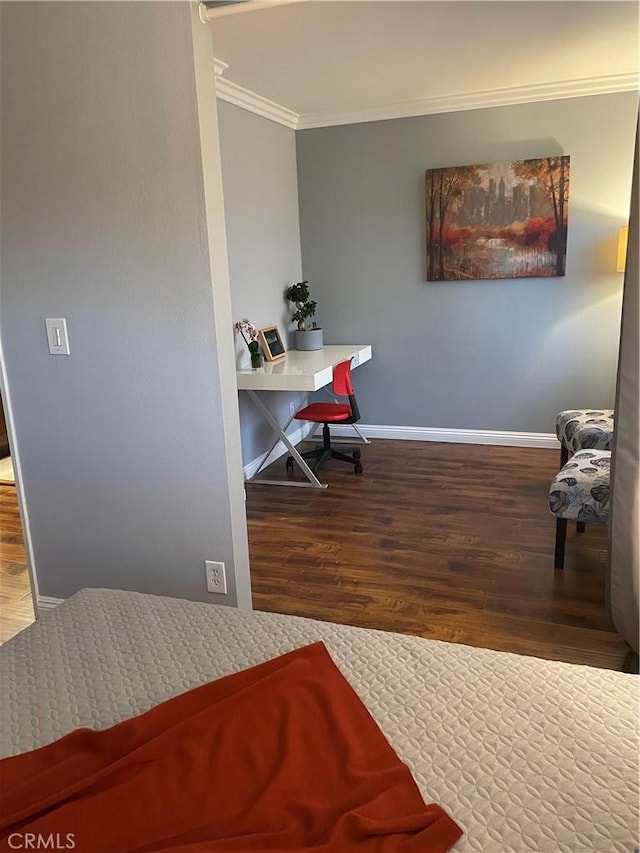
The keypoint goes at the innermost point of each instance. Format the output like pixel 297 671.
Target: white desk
pixel 299 371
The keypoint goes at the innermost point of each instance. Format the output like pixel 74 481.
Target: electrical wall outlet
pixel 216 577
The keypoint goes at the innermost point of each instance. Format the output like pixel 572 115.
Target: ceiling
pixel 319 62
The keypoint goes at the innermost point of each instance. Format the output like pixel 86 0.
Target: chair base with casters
pixel 328 413
pixel 580 492
pixel 322 454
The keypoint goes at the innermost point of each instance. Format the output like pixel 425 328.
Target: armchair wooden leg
pixel 561 537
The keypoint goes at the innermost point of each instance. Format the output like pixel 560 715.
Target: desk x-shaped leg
pixel 280 435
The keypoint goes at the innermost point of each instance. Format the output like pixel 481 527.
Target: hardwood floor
pixel 16 607
pixel 448 541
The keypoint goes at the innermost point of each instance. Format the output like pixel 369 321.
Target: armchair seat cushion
pixel 581 488
pixel 585 429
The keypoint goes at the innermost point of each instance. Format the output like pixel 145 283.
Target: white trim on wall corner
pixel 454 436
pixel 45 602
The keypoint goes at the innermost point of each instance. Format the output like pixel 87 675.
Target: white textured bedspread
pixel 525 754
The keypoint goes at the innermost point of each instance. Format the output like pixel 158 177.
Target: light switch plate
pixel 57 337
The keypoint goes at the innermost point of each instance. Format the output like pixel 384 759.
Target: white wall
pixel 126 446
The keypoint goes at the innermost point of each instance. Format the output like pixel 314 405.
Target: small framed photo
pixel 271 343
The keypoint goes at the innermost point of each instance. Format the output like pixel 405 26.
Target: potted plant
pixel 308 334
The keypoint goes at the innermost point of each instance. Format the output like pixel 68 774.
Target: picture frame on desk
pixel 271 343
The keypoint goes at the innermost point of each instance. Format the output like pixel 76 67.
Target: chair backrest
pixel 342 385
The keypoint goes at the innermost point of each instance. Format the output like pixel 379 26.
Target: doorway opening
pixel 16 598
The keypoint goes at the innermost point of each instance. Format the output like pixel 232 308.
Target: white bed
pixel 525 754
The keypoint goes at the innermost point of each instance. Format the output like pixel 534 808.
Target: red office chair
pixel 332 413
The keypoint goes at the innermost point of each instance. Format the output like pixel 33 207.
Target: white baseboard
pixel 403 433
pixel 45 602
pixel 453 436
pixel 296 436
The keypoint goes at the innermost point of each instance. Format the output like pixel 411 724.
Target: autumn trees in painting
pixel 503 220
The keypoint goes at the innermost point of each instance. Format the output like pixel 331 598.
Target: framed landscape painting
pixel 502 220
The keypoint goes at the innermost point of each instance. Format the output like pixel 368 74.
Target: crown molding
pixel 219 67
pixel 479 100
pixel 210 13
pixel 248 100
pixel 241 97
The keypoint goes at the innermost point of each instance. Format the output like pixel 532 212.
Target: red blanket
pixel 280 757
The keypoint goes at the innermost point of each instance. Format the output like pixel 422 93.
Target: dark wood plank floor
pixel 16 607
pixel 448 541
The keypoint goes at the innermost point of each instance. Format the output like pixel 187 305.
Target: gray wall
pixel 500 355
pixel 122 444
pixel 263 238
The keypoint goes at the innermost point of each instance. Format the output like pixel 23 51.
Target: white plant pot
pixel 309 339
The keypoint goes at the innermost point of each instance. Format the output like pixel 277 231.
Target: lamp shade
pixel 623 236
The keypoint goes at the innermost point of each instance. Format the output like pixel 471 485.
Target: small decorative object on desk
pixel 250 336
pixel 272 345
pixel 309 334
